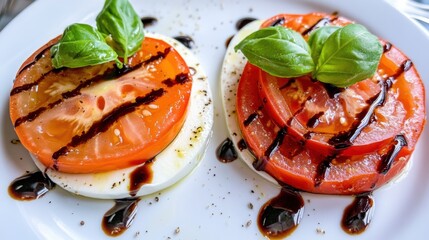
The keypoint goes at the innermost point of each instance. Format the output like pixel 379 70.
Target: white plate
pixel 211 203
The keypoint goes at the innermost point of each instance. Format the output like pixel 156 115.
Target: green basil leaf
pixel 349 55
pixel 279 51
pixel 318 38
pixel 81 45
pixel 121 23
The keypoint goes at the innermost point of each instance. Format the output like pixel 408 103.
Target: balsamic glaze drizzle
pixel 242 145
pixel 314 120
pixel 120 217
pixel 389 157
pixel 276 143
pixel 243 22
pixel 225 152
pixel 387 46
pixel 148 21
pixel 323 169
pixel 30 186
pixel 278 22
pixel 288 84
pixel 358 215
pixel 322 22
pixel 280 216
pixel 252 117
pixel 140 176
pixel 186 40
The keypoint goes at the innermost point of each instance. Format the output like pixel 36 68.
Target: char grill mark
pixel 103 124
pixel 110 74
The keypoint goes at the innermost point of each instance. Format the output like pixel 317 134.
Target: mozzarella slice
pixel 232 67
pixel 168 167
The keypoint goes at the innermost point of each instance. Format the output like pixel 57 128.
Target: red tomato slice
pixel 319 112
pixel 290 124
pixel 99 118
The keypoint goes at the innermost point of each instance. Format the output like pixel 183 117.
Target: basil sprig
pixel 119 34
pixel 349 55
pixel 280 51
pixel 340 56
pixel 81 45
pixel 121 23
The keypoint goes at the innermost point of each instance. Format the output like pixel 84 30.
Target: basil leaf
pixel 279 51
pixel 349 55
pixel 81 45
pixel 121 23
pixel 318 38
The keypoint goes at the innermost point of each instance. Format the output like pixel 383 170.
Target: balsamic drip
pixel 389 157
pixel 226 152
pixel 186 40
pixel 387 47
pixel 141 176
pixel 103 124
pixel 120 217
pixel 276 143
pixel 332 90
pixel 358 215
pixel 323 169
pixel 405 66
pixel 252 117
pixel 148 21
pixel 242 145
pixel 280 216
pixel 30 186
pixel 314 121
pixel 243 22
pixel 288 84
pixel 228 41
pixel 260 163
pixel 322 22
pixel 278 22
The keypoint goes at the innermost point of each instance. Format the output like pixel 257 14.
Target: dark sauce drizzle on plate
pixel 358 215
pixel 120 217
pixel 149 21
pixel 226 152
pixel 280 216
pixel 186 40
pixel 239 25
pixel 140 176
pixel 30 186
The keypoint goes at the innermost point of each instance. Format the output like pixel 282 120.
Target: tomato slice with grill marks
pixel 101 118
pixel 322 139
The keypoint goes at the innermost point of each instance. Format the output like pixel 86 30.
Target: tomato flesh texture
pixel 135 136
pixel 354 169
pixel 295 164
